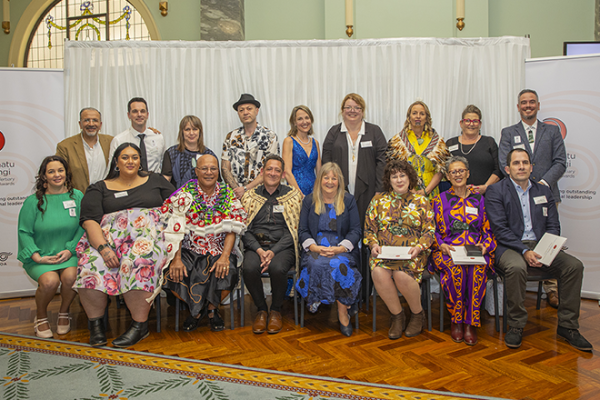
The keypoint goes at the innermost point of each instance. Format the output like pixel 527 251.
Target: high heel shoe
pixel 63 329
pixel 45 334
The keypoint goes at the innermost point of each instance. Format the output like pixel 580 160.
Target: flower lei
pixel 201 209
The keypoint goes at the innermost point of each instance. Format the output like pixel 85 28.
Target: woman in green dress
pixel 48 234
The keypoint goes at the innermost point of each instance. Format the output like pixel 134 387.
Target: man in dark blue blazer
pixel 545 145
pixel 520 211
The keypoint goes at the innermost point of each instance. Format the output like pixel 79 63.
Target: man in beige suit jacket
pixel 87 153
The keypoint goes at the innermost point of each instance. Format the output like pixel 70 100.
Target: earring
pixel 141 169
pixel 116 168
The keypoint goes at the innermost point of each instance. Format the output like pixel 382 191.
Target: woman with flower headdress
pixel 205 220
pixel 420 145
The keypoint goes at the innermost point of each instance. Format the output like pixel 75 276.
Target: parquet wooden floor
pixel 542 368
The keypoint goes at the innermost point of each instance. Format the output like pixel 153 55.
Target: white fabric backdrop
pixel 569 92
pixel 206 78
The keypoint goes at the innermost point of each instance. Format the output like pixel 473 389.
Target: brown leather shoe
pixel 415 325
pixel 470 335
pixel 553 299
pixel 397 323
pixel 275 322
pixel 260 322
pixel 456 331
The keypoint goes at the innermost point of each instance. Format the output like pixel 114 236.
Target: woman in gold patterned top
pixel 420 145
pixel 399 217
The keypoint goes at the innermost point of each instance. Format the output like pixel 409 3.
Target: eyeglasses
pixel 457 172
pixel 471 121
pixel 353 108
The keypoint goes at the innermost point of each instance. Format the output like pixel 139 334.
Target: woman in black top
pixel 123 250
pixel 481 151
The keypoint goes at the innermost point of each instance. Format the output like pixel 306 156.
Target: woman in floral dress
pixel 398 217
pixel 123 250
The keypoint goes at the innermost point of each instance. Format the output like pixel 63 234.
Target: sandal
pixel 216 322
pixel 63 329
pixel 45 334
pixel 192 322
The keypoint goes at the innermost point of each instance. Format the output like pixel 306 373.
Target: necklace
pixel 301 142
pixel 468 152
pixel 353 150
pixel 221 206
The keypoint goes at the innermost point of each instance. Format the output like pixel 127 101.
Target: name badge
pixel 517 139
pixel 120 194
pixel 72 212
pixel 278 208
pixel 366 144
pixel 471 210
pixel 69 204
pixel 519 146
pixel 545 211
pixel 540 200
pixel 452 148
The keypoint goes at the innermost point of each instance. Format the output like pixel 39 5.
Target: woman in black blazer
pixel 329 233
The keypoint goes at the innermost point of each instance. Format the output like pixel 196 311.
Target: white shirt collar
pixel 360 132
pixel 532 127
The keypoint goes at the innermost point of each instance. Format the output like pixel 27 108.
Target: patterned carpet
pixel 32 368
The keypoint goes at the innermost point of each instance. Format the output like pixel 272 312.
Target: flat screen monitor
pixel 581 48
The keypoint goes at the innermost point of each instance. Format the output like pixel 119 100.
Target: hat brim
pixel 239 103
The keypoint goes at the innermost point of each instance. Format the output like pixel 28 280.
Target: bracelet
pixel 245 189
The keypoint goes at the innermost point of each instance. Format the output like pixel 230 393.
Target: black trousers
pixel 278 269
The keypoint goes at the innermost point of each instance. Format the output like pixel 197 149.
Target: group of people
pixel 153 219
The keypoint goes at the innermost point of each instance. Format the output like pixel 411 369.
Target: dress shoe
pixel 63 329
pixel 275 322
pixel 192 322
pixel 136 332
pixel 553 299
pixel 97 332
pixel 216 322
pixel 46 333
pixel 514 337
pixel 574 338
pixel 397 322
pixel 470 335
pixel 415 325
pixel 456 331
pixel 347 329
pixel 260 322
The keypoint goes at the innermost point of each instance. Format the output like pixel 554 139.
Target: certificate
pixel 394 253
pixel 548 247
pixel 460 257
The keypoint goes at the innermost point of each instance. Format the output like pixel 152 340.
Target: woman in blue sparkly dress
pixel 329 232
pixel 301 151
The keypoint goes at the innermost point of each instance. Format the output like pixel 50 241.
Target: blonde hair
pixel 427 125
pixel 294 129
pixel 357 99
pixel 338 200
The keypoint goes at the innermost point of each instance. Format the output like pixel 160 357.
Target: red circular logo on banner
pixel 2 140
pixel 557 122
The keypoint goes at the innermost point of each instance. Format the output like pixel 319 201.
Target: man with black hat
pixel 245 148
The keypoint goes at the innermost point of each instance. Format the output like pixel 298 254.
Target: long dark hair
pixel 41 183
pixel 113 172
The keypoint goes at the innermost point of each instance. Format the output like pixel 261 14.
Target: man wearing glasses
pixel 271 241
pixel 546 147
pixel 86 153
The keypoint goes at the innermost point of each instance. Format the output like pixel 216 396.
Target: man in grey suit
pixel 520 212
pixel 546 147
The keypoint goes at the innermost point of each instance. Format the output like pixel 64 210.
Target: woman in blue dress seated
pixel 301 151
pixel 329 232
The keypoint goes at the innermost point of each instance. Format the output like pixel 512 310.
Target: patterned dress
pixel 427 159
pixel 246 155
pixel 400 220
pixel 303 166
pixel 327 279
pixel 459 222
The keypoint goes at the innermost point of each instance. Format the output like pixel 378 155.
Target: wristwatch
pixel 102 246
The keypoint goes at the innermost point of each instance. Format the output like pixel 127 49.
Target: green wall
pixel 548 22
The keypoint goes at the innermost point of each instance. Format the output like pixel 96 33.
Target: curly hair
pixel 395 166
pixel 41 183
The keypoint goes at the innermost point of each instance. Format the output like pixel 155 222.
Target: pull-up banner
pixel 569 92
pixel 31 123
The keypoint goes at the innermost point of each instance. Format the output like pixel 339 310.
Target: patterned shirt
pixel 246 155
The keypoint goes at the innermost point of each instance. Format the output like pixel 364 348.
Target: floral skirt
pixel 136 236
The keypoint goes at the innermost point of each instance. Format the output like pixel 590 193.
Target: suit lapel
pixel 343 138
pixel 538 138
pixel 80 151
pixel 515 197
pixel 524 139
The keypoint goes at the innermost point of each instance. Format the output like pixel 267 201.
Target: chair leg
pixel 177 306
pixel 302 312
pixel 295 301
pixel 157 306
pixel 368 290
pixel 539 296
pixel 242 300
pixel 504 311
pixel 496 308
pixel 428 293
pixel 442 307
pixel 374 310
pixel 231 310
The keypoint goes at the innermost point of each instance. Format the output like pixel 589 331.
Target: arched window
pixel 81 20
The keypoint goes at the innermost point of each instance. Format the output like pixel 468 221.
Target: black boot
pixel 97 332
pixel 136 332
